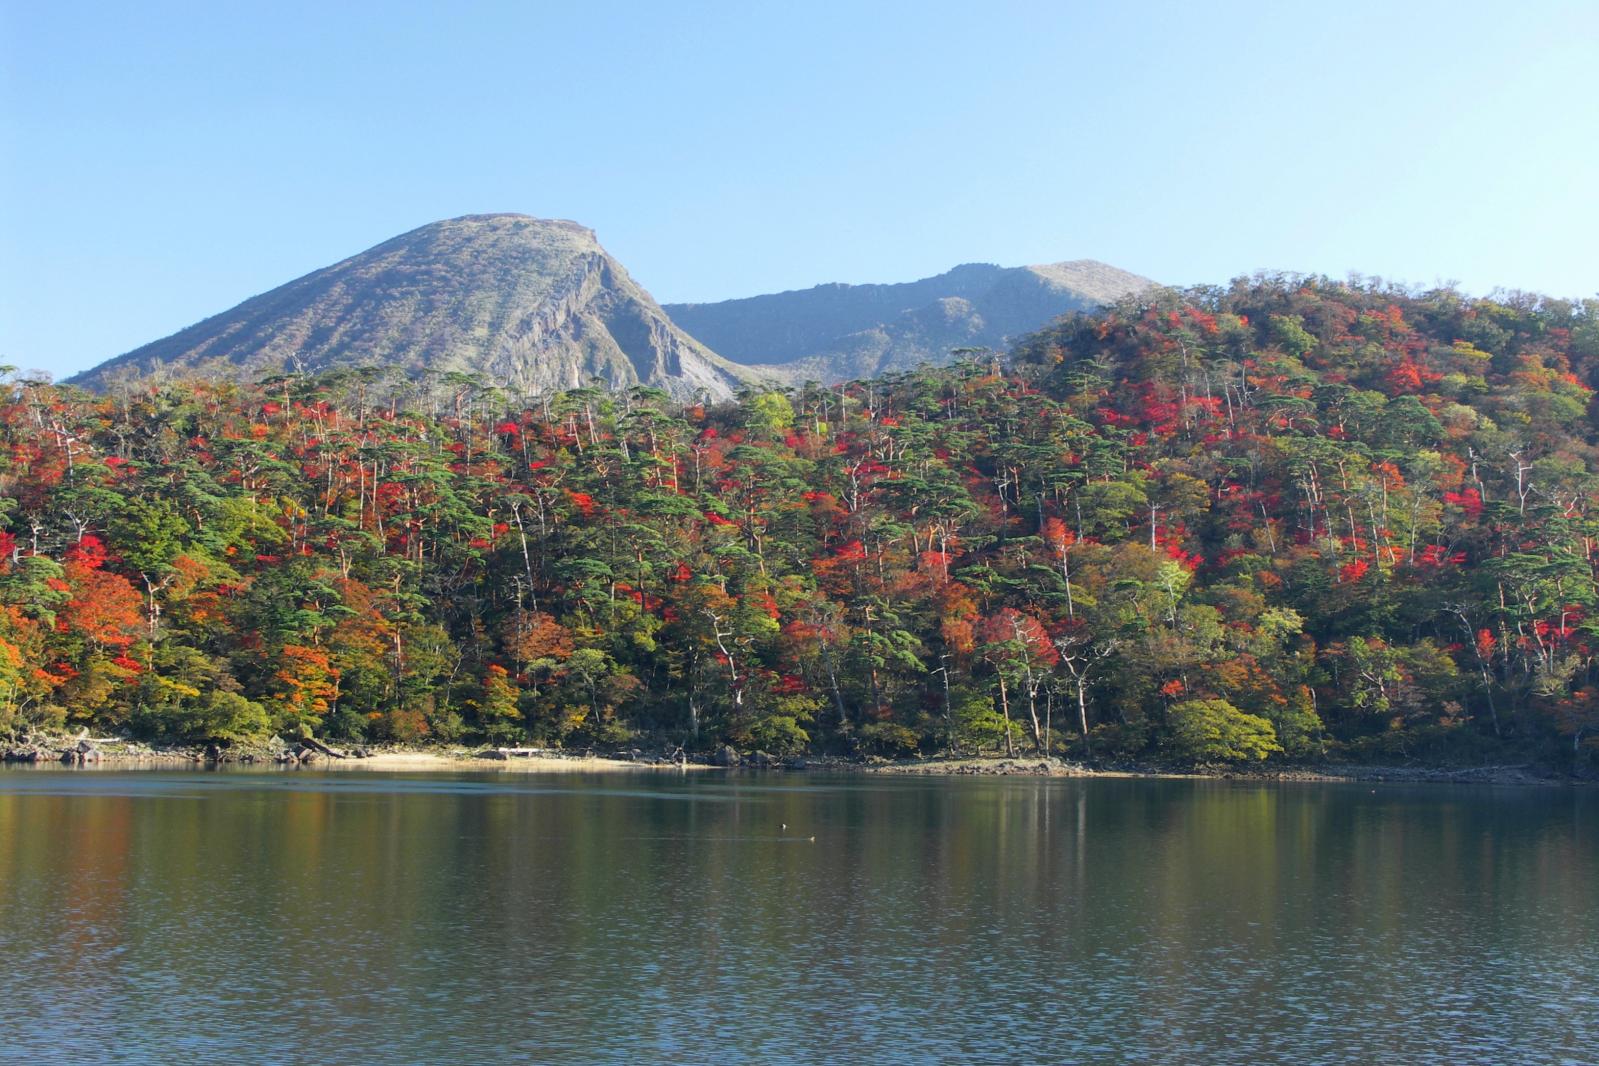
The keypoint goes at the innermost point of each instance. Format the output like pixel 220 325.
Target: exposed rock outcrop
pixel 532 304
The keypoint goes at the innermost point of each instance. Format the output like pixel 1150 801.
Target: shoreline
pixel 116 754
pixel 1326 773
pixel 121 755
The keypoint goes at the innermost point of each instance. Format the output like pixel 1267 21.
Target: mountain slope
pixel 535 304
pixel 836 332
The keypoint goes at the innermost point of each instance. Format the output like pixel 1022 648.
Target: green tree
pixel 1215 731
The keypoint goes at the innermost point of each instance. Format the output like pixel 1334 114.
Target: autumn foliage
pixel 1283 517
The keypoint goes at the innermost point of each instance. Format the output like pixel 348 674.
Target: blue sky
pixel 160 162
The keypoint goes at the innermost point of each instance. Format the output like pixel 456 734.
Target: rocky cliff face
pixel 534 304
pixel 837 332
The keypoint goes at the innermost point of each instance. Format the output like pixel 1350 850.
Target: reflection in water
pixel 385 918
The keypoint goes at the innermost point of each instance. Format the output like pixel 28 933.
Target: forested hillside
pixel 1287 519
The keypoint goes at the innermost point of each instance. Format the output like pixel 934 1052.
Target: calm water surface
pixel 389 918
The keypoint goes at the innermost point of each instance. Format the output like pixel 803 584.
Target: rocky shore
pixel 89 752
pixel 1054 767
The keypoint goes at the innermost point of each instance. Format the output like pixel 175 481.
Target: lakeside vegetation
pixel 1283 520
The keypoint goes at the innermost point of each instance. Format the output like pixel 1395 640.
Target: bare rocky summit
pixel 533 304
pixel 537 306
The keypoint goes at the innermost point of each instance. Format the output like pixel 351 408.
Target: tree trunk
pixel 1032 714
pixel 1082 717
pixel 1004 706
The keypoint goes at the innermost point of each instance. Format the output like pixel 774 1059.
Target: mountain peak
pixel 510 221
pixel 836 332
pixel 1091 279
pixel 534 303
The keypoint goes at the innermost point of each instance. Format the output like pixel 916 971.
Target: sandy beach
pixel 425 761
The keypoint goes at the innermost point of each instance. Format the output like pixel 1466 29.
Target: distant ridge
pixel 837 332
pixel 535 304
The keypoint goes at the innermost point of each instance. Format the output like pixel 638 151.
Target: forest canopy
pixel 1290 518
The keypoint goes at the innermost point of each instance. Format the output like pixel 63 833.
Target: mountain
pixel 540 306
pixel 533 303
pixel 838 332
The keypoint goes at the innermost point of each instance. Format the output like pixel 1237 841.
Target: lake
pixel 386 918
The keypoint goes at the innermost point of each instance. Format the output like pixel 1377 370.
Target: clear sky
pixel 160 162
